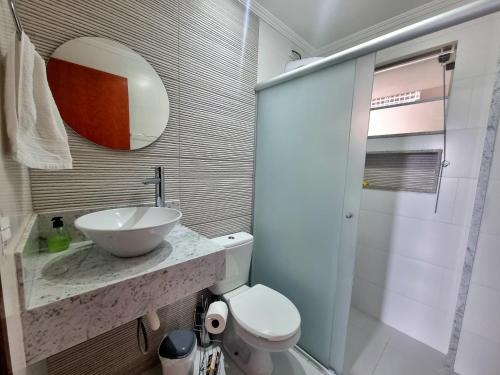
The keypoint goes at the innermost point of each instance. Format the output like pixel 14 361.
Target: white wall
pixel 409 260
pixel 422 117
pixel 274 52
pixel 479 347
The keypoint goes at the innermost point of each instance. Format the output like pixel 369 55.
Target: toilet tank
pixel 238 258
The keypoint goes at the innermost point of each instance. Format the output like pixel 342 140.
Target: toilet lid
pixel 265 313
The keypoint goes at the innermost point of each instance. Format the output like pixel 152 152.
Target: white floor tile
pixel 395 362
pixel 418 351
pixel 364 347
pixel 374 348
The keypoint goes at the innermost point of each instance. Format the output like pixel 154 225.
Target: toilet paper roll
pixel 216 318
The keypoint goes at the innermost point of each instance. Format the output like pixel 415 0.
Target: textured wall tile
pixel 218 48
pixel 205 51
pixel 117 351
pixel 214 190
pixel 212 126
pixel 214 228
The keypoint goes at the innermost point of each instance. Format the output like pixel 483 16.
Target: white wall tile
pixel 450 281
pixel 481 100
pixel 464 150
pixel 487 264
pixel 416 205
pixel 459 103
pixel 412 278
pixel 372 265
pixel 477 355
pixel 495 168
pixel 367 297
pixel 375 230
pixel 483 312
pixel 491 215
pixel 477 55
pixel 423 323
pixel 464 201
pixel 432 242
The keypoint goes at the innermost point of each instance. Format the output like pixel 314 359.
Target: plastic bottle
pixel 59 239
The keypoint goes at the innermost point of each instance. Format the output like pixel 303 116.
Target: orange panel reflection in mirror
pixel 93 103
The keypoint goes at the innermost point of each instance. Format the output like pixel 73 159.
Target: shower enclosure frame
pixel 447 19
pixel 310 155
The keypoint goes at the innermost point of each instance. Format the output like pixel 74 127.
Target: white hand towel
pixel 35 128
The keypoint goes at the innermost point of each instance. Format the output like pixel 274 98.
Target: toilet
pixel 261 320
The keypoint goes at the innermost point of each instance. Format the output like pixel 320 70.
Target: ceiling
pixel 321 22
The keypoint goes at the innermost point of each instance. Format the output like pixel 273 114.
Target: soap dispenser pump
pixel 59 239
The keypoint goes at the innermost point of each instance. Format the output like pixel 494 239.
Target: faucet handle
pixel 159 181
pixel 158 170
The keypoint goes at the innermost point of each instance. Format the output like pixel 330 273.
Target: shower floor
pixel 374 348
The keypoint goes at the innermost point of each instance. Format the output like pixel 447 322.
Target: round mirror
pixel 107 93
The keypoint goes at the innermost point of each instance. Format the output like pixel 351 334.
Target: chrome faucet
pixel 159 182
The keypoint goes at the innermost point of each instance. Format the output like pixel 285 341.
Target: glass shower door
pixel 303 138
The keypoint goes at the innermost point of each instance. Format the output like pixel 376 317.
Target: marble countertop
pixel 72 296
pixel 85 267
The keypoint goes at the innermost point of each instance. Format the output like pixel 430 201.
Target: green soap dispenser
pixel 59 239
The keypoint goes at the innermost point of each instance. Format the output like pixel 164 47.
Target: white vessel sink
pixel 129 232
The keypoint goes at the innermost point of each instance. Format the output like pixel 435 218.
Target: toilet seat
pixel 265 313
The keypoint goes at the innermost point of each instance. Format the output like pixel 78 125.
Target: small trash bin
pixel 177 352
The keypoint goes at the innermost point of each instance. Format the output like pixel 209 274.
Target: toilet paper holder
pixel 210 348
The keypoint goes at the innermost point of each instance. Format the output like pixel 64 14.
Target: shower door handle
pixel 349 215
